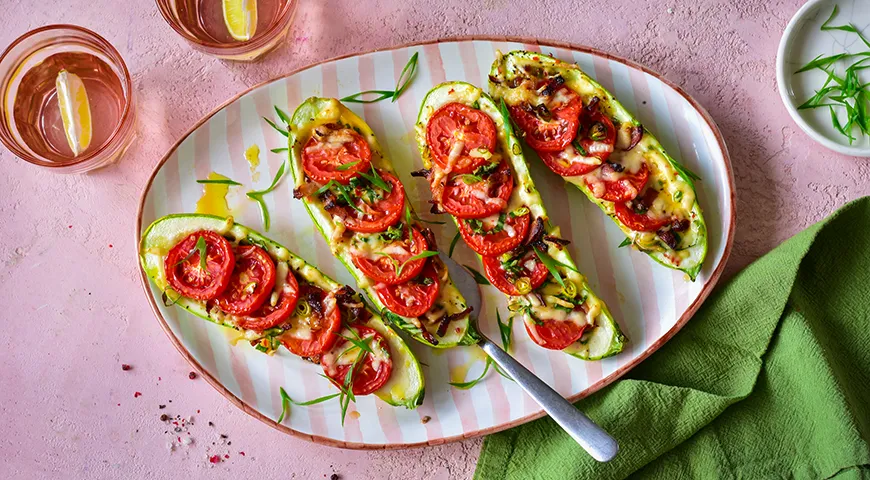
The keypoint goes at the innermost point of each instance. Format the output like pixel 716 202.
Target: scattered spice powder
pixel 214 459
pixel 164 417
pixel 125 367
pixel 334 476
pixel 161 406
pixel 425 419
pixel 191 375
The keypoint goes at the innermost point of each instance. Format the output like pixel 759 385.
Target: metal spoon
pixel 598 443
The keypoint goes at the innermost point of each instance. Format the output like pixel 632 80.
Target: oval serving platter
pixel 650 302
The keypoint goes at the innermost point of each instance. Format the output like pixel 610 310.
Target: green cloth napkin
pixel 770 379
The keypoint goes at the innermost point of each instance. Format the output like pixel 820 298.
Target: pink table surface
pixel 74 306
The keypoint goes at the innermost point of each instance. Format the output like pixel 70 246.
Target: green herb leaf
pixel 506 331
pixel 286 401
pixel 423 254
pixel 282 115
pixel 406 76
pixel 219 181
pixel 347 166
pixel 471 383
pixel 201 247
pixel 264 211
pixel 625 243
pixel 276 127
pixel 478 277
pixel 278 175
pixel 357 97
pixel 279 150
pixel 453 244
pixel 579 148
pixel 846 28
pixel 375 179
pixel 550 263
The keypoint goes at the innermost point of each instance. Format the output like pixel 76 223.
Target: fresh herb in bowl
pixel 843 92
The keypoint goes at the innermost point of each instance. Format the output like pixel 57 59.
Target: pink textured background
pixel 73 305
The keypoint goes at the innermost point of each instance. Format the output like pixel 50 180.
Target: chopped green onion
pixel 625 243
pixel 303 309
pixel 286 401
pixel 523 285
pixel 276 127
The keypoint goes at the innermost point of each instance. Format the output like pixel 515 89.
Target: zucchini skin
pixel 575 76
pixel 310 113
pixel 197 221
pixel 513 153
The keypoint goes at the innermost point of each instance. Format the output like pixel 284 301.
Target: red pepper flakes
pixel 119 404
pixel 214 459
pixel 191 375
pixel 137 394
pixel 110 245
pixel 125 367
pixel 70 226
pixel 226 456
pixel 242 453
pixel 159 379
pixel 197 411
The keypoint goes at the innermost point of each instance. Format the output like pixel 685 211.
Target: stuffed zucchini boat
pixel 477 174
pixel 358 203
pixel 582 133
pixel 228 274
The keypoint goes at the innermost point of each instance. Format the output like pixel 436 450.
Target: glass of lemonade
pixel 67 99
pixel 230 29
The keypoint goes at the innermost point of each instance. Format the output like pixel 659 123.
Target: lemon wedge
pixel 240 16
pixel 75 111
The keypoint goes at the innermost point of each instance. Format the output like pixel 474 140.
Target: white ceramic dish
pixel 801 42
pixel 649 301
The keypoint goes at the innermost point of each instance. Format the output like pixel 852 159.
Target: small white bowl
pixel 801 42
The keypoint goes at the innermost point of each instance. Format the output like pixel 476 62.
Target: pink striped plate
pixel 649 301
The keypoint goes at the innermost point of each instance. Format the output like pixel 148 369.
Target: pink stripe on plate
pixel 242 374
pixel 236 147
pixel 330 80
pixel 435 63
pixel 201 155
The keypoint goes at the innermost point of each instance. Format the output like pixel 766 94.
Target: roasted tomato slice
pixel 381 266
pixel 269 315
pixel 554 334
pixel 414 297
pixel 616 186
pixel 639 222
pixel 371 372
pixel 313 331
pixel 335 154
pixel 597 135
pixel 569 162
pixel 252 281
pixel 550 130
pixel 184 270
pixel 375 214
pixel 478 199
pixel 527 270
pixel 500 233
pixel 454 131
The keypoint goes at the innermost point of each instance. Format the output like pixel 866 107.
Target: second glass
pixel 240 30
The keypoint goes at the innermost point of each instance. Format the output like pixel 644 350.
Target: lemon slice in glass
pixel 240 16
pixel 75 111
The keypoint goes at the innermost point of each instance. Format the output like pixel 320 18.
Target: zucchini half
pixel 604 338
pixel 318 111
pixel 672 178
pixel 405 386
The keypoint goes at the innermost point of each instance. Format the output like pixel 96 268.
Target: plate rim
pixel 603 382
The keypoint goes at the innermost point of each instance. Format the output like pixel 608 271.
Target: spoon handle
pixel 598 443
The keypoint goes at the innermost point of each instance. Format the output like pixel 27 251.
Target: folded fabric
pixel 770 379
